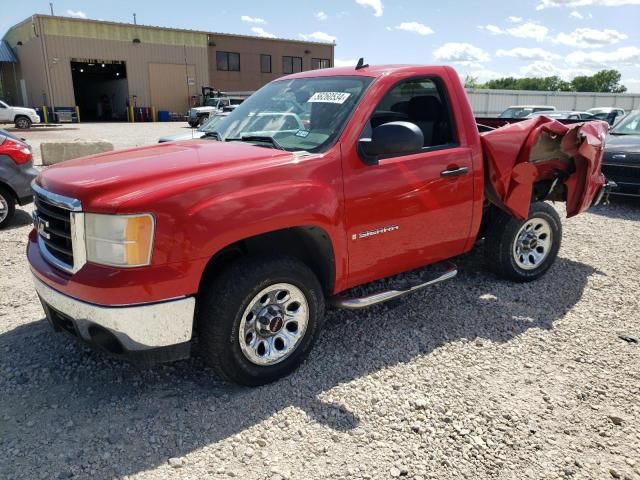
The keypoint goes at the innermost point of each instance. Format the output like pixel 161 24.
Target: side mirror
pixel 391 138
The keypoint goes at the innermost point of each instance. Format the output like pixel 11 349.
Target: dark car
pixel 16 174
pixel 610 115
pixel 621 162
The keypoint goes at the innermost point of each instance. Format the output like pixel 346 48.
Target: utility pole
pixel 134 19
pixel 51 7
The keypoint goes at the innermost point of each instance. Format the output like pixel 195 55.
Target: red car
pixel 241 242
pixel 16 175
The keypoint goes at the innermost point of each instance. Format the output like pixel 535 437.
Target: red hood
pixel 520 154
pixel 102 182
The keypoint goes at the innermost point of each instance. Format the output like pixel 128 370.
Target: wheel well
pixel 309 244
pixel 6 187
pixel 21 115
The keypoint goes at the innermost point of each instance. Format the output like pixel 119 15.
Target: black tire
pixel 6 199
pixel 222 303
pixel 202 120
pixel 23 123
pixel 502 234
pixel 193 124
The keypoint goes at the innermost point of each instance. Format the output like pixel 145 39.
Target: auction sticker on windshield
pixel 329 97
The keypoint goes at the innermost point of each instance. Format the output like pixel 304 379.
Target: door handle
pixel 454 172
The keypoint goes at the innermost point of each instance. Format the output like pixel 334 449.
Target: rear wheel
pixel 7 207
pixel 257 321
pixel 523 251
pixel 23 123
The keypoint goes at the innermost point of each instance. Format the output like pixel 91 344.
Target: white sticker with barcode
pixel 329 97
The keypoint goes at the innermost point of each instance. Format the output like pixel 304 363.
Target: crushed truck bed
pixel 519 155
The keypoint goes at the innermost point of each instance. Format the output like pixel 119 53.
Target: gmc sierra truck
pixel 241 242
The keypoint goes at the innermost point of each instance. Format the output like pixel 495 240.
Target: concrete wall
pixel 249 77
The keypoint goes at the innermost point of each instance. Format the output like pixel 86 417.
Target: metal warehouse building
pixel 102 67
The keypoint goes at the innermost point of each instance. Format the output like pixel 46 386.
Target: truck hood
pixel 519 155
pixel 203 109
pixel 26 111
pixel 623 143
pixel 104 182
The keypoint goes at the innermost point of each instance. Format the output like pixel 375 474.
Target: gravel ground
pixel 122 135
pixel 474 378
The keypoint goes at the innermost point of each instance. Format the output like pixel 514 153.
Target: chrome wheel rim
pixel 273 324
pixel 533 243
pixel 4 208
pixel 22 123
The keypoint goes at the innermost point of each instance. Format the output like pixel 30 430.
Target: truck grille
pixel 59 224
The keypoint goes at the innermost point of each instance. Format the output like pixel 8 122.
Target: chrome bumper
pixel 136 327
pixel 603 194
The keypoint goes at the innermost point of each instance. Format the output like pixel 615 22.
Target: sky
pixel 482 38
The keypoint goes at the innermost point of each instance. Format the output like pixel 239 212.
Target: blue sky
pixel 486 38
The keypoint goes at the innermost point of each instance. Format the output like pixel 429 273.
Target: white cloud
pixel 414 27
pixel 344 63
pixel 321 16
pixel 513 19
pixel 482 74
pixel 584 3
pixel 590 38
pixel 76 14
pixel 548 69
pixel 318 37
pixel 528 54
pixel 376 5
pixel 259 31
pixel 524 30
pixel 624 56
pixel 461 52
pixel 632 84
pixel 248 19
pixel 576 14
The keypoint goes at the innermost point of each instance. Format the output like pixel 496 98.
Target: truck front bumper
pixel 145 333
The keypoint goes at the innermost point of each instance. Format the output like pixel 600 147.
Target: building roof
pixel 6 54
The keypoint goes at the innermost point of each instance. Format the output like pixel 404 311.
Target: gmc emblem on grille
pixel 40 226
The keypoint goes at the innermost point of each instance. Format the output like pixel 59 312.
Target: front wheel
pixel 523 251
pixel 23 123
pixel 257 321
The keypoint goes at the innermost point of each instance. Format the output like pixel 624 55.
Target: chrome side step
pixel 357 303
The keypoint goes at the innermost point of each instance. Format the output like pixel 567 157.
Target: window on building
pixel 291 64
pixel 265 63
pixel 317 63
pixel 228 61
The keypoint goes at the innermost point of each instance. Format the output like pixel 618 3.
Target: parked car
pixel 199 115
pixel 608 114
pixel 521 111
pixel 21 117
pixel 242 242
pixel 621 162
pixel 199 132
pixel 564 115
pixel 16 175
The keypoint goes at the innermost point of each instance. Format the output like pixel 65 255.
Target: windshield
pixel 298 114
pixel 211 124
pixel 3 104
pixel 629 125
pixel 516 112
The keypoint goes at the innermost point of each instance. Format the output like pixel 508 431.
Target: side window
pixel 421 102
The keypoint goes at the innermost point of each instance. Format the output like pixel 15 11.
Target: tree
pixel 606 81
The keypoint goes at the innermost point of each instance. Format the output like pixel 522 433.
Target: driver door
pixel 406 211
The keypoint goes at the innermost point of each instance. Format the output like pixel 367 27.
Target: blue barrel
pixel 163 116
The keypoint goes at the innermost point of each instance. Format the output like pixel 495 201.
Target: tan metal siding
pixel 30 67
pixel 169 88
pixel 249 77
pixel 138 57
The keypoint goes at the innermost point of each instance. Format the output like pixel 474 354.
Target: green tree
pixel 606 81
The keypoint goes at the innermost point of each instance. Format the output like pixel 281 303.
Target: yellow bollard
pixel 154 117
pixel 44 114
pixel 132 115
pixel 78 113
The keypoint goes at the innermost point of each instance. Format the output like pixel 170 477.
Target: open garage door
pixel 101 89
pixel 172 86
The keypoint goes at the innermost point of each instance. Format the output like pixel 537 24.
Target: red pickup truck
pixel 240 239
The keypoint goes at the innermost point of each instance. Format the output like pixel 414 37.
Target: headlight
pixel 119 240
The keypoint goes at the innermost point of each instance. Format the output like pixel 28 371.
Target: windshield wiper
pixel 259 138
pixel 215 135
pixel 620 133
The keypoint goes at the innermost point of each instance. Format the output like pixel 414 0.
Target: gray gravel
pixel 475 378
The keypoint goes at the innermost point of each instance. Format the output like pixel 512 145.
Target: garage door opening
pixel 101 89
